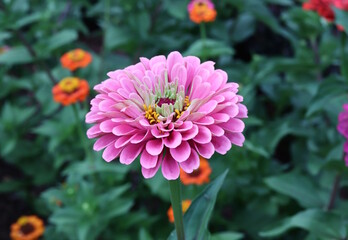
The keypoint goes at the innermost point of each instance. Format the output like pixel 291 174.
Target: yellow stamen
pixel 187 104
pixel 76 55
pixel 151 115
pixel 22 221
pixel 69 84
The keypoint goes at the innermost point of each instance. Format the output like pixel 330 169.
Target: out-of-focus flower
pixel 4 49
pixel 170 110
pixel 342 127
pixel 27 228
pixel 184 204
pixel 322 7
pixel 198 176
pixel 325 8
pixel 201 11
pixel 76 58
pixel 70 90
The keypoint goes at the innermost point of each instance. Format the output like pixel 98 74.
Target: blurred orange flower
pixel 184 204
pixel 70 90
pixel 198 176
pixel 27 228
pixel 4 49
pixel 201 11
pixel 76 58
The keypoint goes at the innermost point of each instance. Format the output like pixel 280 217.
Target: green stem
pixel 203 37
pixel 81 132
pixel 175 197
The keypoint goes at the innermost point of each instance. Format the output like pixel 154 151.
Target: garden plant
pixel 173 119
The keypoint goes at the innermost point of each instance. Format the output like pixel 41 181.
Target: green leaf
pixel 227 236
pixel 4 36
pixel 325 225
pixel 144 235
pixel 61 38
pixel 298 187
pixel 209 48
pixel 16 55
pixel 197 216
pixel 176 8
pixel 116 37
pixel 244 27
pixel 36 16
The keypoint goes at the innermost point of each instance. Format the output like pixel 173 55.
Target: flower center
pixel 27 228
pixel 165 100
pixel 201 8
pixel 69 84
pixel 76 55
pixel 195 173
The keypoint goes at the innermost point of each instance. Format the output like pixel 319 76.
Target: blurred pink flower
pixel 343 129
pixel 169 110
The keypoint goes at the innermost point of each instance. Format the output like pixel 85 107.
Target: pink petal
pixel 205 150
pixel 192 163
pixel 140 136
pixel 221 117
pixel 203 136
pixel 104 141
pixel 190 134
pixel 182 152
pixel 94 131
pixel 174 58
pixel 216 130
pixel 154 147
pixel 149 173
pixel 121 130
pixel 243 111
pixel 222 144
pixel 158 134
pixel 107 126
pixel 110 153
pixel 130 153
pixel 208 107
pixel 173 140
pixel 236 138
pixel 184 126
pixel 233 125
pixel 147 160
pixel 170 168
pixel 122 141
pixel 208 120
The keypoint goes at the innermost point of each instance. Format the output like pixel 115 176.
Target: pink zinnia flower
pixel 343 129
pixel 169 111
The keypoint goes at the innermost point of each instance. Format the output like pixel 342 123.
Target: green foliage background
pixel 289 180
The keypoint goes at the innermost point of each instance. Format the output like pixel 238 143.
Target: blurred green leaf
pixel 325 225
pixel 227 236
pixel 61 38
pixel 298 187
pixel 208 48
pixel 16 55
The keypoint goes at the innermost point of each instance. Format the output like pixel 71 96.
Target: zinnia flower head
pixel 169 111
pixel 75 59
pixel 184 204
pixel 27 228
pixel 342 127
pixel 70 90
pixel 322 7
pixel 325 8
pixel 198 176
pixel 201 11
